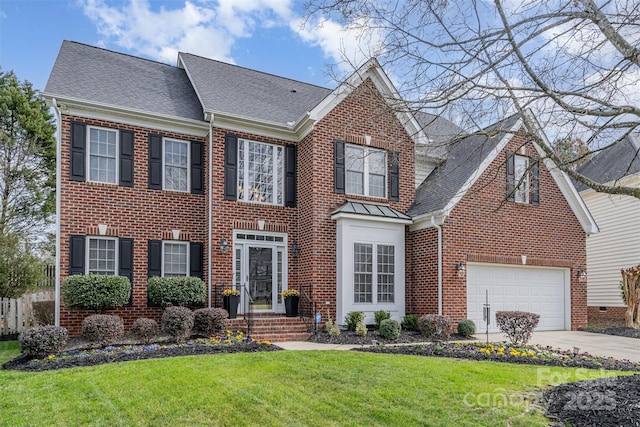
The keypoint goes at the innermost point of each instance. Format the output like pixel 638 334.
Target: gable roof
pixel 463 161
pixel 241 92
pixel 103 77
pixel 615 162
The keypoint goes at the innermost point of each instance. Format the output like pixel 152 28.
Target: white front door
pixel 260 270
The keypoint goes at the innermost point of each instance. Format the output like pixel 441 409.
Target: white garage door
pixel 538 290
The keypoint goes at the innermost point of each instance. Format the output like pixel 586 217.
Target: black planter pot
pixel 291 306
pixel 230 304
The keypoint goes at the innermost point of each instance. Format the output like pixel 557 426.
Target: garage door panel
pixel 536 290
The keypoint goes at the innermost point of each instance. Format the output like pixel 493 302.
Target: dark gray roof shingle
pixel 463 159
pixel 98 75
pixel 248 93
pixel 612 163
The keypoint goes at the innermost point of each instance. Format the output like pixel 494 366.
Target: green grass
pixel 278 388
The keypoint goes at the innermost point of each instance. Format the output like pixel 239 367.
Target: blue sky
pixel 267 35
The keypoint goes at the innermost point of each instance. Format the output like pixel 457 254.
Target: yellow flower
pixel 51 356
pixel 265 342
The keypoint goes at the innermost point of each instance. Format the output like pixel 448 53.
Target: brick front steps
pixel 272 327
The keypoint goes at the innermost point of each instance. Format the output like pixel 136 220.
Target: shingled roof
pixel 95 75
pixel 613 163
pixel 462 160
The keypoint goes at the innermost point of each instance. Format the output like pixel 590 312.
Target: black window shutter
pixel 394 176
pixel 230 167
pixel 126 158
pixel 197 167
pixel 78 148
pixel 339 167
pixel 511 196
pixel 155 162
pixel 125 262
pixel 195 259
pixel 290 176
pixel 154 258
pixel 76 254
pixel 535 182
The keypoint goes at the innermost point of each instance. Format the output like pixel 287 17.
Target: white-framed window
pixel 364 279
pixel 365 171
pixel 175 164
pixel 521 179
pixel 260 172
pixel 102 255
pixel 175 258
pixel 102 155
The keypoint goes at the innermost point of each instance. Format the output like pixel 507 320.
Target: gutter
pixel 58 202
pixel 210 201
pixel 439 228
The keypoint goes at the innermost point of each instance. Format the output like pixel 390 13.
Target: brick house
pixel 260 182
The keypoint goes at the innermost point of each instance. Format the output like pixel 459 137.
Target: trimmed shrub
pixel 435 327
pixel 95 292
pixel 145 329
pixel 102 328
pixel 186 291
pixel 517 325
pixel 352 319
pixel 381 315
pixel 177 322
pixel 332 329
pixel 390 329
pixel 466 328
pixel 209 321
pixel 42 341
pixel 410 322
pixel 44 312
pixel 361 329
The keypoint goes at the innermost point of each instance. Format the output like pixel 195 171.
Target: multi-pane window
pixel 364 280
pixel 175 256
pixel 366 171
pixel 386 273
pixel 176 165
pixel 260 172
pixel 102 155
pixel 362 272
pixel 101 256
pixel 521 178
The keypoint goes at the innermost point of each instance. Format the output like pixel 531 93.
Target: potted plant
pixel 291 297
pixel 230 301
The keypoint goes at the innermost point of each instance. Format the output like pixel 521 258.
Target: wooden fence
pixel 16 315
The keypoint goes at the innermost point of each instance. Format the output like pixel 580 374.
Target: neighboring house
pixel 264 183
pixel 617 246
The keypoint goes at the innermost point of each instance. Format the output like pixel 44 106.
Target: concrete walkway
pixel 596 344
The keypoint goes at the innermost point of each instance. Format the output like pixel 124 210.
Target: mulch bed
pixel 619 331
pixel 27 363
pixel 350 337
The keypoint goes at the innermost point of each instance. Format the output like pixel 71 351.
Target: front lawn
pixel 281 388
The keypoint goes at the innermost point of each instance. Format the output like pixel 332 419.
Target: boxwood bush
pixel 466 328
pixel 352 319
pixel 42 341
pixel 177 322
pixel 95 292
pixel 381 315
pixel 102 328
pixel 145 329
pixel 181 290
pixel 209 321
pixel 410 322
pixel 435 327
pixel 390 329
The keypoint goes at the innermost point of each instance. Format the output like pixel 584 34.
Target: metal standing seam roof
pixel 101 76
pixel 370 209
pixel 613 163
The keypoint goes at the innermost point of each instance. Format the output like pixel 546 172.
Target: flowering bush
pixel 517 325
pixel 178 322
pixel 290 293
pixel 229 292
pixel 102 328
pixel 42 340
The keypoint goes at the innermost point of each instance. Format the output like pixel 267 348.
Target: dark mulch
pixel 350 337
pixel 602 402
pixel 619 331
pixel 26 363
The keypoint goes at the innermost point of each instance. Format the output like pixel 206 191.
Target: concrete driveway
pixel 587 342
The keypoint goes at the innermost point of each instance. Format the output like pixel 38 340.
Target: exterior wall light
pixel 582 275
pixel 461 269
pixel 224 246
pixel 295 250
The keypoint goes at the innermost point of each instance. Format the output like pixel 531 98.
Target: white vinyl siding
pixel 617 246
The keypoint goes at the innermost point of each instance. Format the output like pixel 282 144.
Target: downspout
pixel 210 219
pixel 439 228
pixel 58 196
